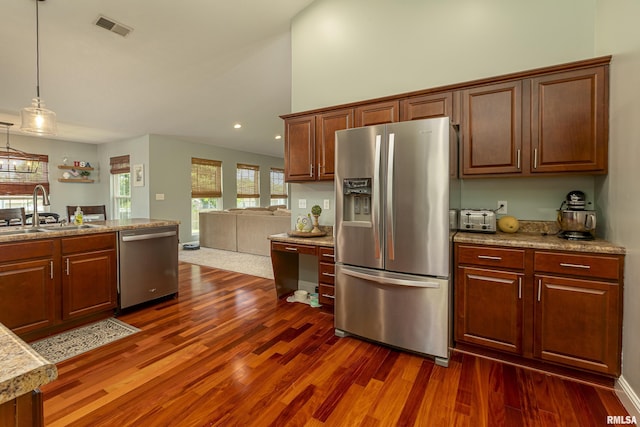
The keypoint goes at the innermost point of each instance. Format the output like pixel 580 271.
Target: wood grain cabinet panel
pixel 299 148
pixel 489 308
pixel 491 131
pixel 569 121
pixel 577 323
pixel 377 113
pixel 326 126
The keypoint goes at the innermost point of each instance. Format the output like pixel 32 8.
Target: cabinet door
pixel 569 122
pixel 488 308
pixel 27 290
pixel 89 283
pixel 326 126
pixel 491 134
pixel 378 113
pixel 577 323
pixel 430 107
pixel 299 149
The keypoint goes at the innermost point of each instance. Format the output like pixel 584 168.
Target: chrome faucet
pixel 35 220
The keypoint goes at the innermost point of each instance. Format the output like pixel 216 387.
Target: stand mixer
pixel 576 223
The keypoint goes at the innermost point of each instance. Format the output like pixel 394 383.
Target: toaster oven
pixel 480 220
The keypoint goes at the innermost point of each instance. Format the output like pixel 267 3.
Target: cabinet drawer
pixel 601 266
pixel 293 248
pixel 493 257
pixel 326 254
pixel 327 294
pixel 90 243
pixel 26 250
pixel 326 273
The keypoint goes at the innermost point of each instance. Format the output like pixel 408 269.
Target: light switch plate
pixel 326 204
pixel 302 203
pixel 159 196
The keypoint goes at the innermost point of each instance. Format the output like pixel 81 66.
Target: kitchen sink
pixel 70 227
pixel 20 231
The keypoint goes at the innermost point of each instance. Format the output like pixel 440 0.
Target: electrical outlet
pixel 326 204
pixel 302 203
pixel 502 207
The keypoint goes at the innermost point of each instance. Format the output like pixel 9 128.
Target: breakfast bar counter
pixel 22 371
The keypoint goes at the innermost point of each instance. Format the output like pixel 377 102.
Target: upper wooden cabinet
pixel 569 119
pixel 491 130
pixel 309 150
pixel 299 148
pixel 547 121
pixel 326 126
pixel 378 113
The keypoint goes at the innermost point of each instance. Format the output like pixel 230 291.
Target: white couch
pixel 243 230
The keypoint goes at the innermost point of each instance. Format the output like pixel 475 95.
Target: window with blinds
pixel 206 178
pixel 278 186
pixel 14 181
pixel 248 181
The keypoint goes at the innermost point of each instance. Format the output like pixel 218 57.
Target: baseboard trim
pixel 628 397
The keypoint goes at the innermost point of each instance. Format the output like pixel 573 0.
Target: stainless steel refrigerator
pixel 392 235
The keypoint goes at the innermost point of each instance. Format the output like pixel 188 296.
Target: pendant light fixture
pixel 14 161
pixel 36 118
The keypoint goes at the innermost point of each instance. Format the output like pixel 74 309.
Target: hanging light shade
pixel 36 118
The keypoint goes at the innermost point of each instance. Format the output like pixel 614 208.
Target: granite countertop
pixel 538 235
pixel 22 369
pixel 55 230
pixel 315 241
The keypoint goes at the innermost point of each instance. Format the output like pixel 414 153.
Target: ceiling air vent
pixel 113 26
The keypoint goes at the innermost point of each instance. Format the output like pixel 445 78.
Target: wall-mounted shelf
pixel 78 168
pixel 79 180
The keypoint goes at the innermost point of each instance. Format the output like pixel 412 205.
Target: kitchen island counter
pixel 57 230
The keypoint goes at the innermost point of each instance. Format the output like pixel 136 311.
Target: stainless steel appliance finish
pixel 392 235
pixel 481 220
pixel 148 260
pixel 576 223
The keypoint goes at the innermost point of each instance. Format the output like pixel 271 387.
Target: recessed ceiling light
pixel 278 136
pixel 237 126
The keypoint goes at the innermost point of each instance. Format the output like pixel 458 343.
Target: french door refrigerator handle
pixel 375 214
pixel 390 219
pixel 384 280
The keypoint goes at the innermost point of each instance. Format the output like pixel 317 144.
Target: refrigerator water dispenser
pixel 357 199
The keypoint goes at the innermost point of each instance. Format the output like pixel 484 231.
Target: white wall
pixel 618 34
pixel 346 51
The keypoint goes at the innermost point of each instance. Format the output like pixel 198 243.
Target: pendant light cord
pixel 37 53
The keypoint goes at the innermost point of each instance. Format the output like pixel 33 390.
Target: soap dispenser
pixel 78 216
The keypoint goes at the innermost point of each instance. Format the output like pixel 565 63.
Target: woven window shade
pixel 120 164
pixel 248 181
pixel 278 186
pixel 206 178
pixel 20 184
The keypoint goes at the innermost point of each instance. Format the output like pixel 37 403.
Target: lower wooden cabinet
pixel 47 285
pixel 89 280
pixel 23 411
pixel 563 308
pixel 489 308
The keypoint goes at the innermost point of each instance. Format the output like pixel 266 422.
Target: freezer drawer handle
pixel 391 281
pixel 133 237
pixel 328 296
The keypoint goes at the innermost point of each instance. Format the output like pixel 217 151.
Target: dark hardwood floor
pixel 227 353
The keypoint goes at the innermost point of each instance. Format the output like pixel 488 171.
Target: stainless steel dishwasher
pixel 148 260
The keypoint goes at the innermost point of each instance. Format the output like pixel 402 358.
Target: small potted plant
pixel 316 211
pixel 85 174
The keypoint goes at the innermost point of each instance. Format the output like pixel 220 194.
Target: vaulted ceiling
pixel 190 69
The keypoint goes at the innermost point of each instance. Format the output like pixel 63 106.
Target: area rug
pixel 71 343
pixel 255 265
